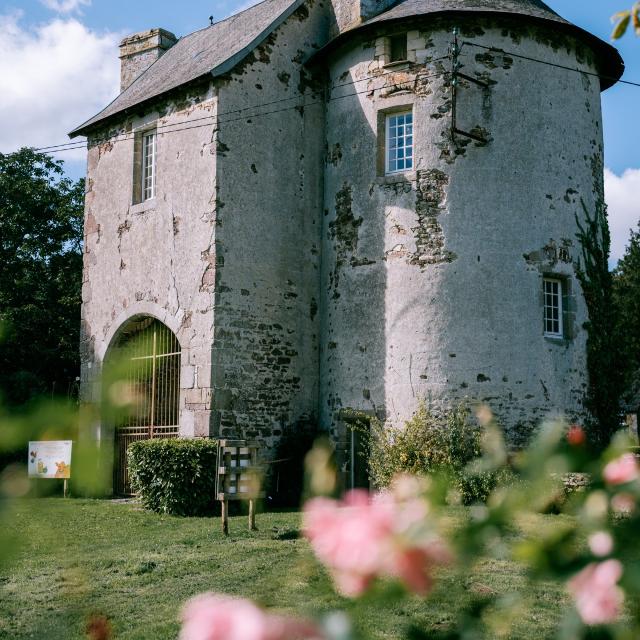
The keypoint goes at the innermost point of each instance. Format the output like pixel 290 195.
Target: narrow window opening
pixel 553 311
pixel 148 165
pixel 359 463
pixel 398 48
pixel 399 142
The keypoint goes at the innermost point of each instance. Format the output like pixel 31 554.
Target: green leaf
pixel 620 29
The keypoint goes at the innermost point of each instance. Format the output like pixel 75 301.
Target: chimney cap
pixel 162 34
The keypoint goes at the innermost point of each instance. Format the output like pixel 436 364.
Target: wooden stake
pixel 64 489
pixel 225 517
pixel 252 515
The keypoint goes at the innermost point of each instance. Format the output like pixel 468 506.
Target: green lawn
pixel 84 557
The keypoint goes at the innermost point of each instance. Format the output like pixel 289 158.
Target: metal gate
pixel 153 378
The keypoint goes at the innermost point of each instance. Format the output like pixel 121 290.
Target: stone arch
pixel 147 358
pixel 143 308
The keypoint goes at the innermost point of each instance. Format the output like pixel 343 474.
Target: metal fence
pixel 153 384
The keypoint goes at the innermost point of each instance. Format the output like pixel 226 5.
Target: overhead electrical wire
pixel 78 145
pixel 215 118
pixel 550 64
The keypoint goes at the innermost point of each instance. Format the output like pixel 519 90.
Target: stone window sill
pixel 395 178
pixel 142 207
pixel 561 342
pixel 395 63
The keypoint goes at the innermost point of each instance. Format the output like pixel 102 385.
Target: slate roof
pixel 533 8
pixel 218 48
pixel 213 50
pixel 611 63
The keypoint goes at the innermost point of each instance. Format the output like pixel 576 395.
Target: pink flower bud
pixel 601 543
pixel 623 503
pixel 621 470
pixel 576 435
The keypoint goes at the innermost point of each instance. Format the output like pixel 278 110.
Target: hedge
pixel 173 475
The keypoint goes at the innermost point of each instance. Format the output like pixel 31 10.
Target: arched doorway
pixel 148 354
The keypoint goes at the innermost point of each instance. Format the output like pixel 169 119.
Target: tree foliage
pixel 603 343
pixel 41 214
pixel 623 19
pixel 626 288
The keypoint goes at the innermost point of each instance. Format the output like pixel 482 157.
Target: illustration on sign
pixel 50 459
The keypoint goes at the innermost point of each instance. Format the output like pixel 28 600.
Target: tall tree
pixel 41 214
pixel 627 296
pixel 603 340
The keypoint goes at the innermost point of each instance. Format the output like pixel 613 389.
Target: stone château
pixel 322 205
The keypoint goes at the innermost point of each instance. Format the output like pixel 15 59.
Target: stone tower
pixel 322 205
pixel 455 277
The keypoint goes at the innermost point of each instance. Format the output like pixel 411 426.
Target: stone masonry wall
pixel 300 280
pixel 433 279
pixel 265 348
pixel 154 258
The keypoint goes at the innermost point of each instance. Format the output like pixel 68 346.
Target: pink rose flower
pixel 212 616
pixel 597 597
pixel 360 539
pixel 621 470
pixel 350 537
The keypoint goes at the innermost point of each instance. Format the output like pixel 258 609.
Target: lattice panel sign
pixel 238 477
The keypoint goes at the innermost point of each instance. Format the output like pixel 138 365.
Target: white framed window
pixel 148 165
pixel 552 290
pixel 399 142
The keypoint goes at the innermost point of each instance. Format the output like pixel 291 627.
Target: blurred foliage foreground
pixel 388 565
pixel 375 554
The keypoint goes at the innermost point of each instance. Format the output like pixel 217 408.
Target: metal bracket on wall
pixel 454 50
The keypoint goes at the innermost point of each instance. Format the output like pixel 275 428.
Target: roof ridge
pixel 230 48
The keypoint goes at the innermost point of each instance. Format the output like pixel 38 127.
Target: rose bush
pixel 397 536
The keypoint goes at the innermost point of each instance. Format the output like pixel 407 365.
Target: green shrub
pixel 428 444
pixel 174 476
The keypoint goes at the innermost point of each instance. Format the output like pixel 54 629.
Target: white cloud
pixel 622 194
pixel 65 6
pixel 54 77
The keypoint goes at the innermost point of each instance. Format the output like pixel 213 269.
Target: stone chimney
pixel 351 13
pixel 140 50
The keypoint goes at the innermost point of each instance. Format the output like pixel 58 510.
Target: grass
pixel 79 558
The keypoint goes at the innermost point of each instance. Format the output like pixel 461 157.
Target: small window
pixel 398 48
pixel 399 138
pixel 144 165
pixel 148 165
pixel 553 308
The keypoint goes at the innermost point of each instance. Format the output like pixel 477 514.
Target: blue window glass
pixel 399 134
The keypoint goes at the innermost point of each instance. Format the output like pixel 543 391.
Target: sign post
pixel 236 477
pixel 50 459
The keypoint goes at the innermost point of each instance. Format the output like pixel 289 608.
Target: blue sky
pixel 58 61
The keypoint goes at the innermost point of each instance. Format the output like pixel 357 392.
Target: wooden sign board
pixel 237 477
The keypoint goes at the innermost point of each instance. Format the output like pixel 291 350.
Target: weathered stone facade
pixel 300 279
pixel 439 294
